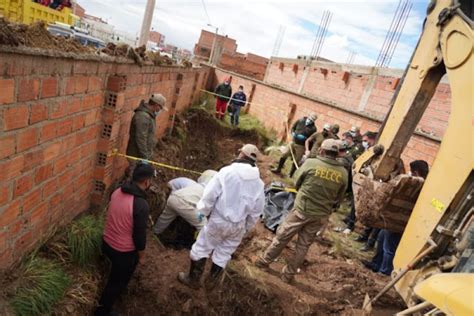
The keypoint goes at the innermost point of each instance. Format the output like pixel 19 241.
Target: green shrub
pixel 42 285
pixel 84 239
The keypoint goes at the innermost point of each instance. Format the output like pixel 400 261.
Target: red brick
pixel 95 84
pixel 11 212
pixel 80 85
pixel 60 165
pixel 43 173
pixel 52 151
pixel 4 194
pixel 74 105
pixel 58 110
pixel 50 188
pixel 15 117
pixel 49 87
pixel 48 131
pixel 78 122
pixel 70 84
pixel 39 216
pixel 64 127
pixel 7 146
pixel 7 91
pixel 116 83
pixel 91 118
pixel 11 168
pixel 32 159
pixel 28 90
pixel 26 139
pixel 31 200
pixel 39 112
pixel 22 185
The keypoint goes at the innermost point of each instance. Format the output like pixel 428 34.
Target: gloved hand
pixel 300 137
pixel 293 134
pixel 200 216
pixel 306 153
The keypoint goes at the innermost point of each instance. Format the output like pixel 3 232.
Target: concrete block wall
pixel 59 119
pixel 367 90
pixel 271 105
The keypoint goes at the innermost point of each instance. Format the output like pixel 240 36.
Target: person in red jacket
pixel 124 237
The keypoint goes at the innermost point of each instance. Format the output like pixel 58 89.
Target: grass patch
pixel 84 239
pixel 42 285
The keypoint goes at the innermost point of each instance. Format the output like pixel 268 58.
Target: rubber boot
pixel 281 163
pixel 213 277
pixel 292 171
pixel 192 278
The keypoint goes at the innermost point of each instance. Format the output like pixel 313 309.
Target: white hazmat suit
pixel 234 199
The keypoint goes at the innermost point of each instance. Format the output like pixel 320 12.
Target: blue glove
pixel 143 162
pixel 200 216
pixel 300 137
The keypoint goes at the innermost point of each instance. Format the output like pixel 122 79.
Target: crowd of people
pixel 55 4
pixel 224 205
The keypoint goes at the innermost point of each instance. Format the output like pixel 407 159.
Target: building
pixel 203 47
pixel 78 10
pixel 98 28
pixel 227 56
pixel 157 38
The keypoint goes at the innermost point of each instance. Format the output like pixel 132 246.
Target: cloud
pixel 356 25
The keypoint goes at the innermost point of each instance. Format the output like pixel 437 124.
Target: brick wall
pixel 59 118
pixel 271 105
pixel 364 89
pixel 252 68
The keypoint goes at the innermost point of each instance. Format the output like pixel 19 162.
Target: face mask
pixel 365 145
pixel 410 174
pixel 226 83
pixel 309 122
pixel 158 112
pixel 353 134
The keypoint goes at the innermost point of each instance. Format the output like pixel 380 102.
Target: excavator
pixel 434 262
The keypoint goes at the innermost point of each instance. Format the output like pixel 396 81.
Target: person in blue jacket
pixel 236 103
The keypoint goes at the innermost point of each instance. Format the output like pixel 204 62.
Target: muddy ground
pixel 329 283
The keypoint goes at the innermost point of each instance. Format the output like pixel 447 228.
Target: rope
pixel 158 164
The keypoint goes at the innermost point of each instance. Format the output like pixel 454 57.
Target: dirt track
pixel 328 284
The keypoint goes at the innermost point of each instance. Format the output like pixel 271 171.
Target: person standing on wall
pixel 124 237
pixel 301 130
pixel 223 91
pixel 142 139
pixel 236 103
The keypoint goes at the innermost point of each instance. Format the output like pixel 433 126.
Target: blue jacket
pixel 240 99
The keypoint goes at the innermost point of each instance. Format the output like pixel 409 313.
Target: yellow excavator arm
pixel 443 209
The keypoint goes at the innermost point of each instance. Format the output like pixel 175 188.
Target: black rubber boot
pixel 281 163
pixel 213 277
pixel 192 278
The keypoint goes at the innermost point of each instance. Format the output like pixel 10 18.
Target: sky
pixel 358 26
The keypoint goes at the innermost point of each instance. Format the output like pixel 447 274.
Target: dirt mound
pixel 36 35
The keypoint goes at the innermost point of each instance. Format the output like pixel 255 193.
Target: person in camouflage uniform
pixel 142 138
pixel 313 142
pixel 321 183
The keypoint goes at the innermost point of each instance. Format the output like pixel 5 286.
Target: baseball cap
pixel 251 151
pixel 142 172
pixel 313 116
pixel 330 145
pixel 335 128
pixel 158 98
pixel 327 127
pixel 355 129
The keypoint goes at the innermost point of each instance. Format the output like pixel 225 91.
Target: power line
pixel 279 40
pixel 205 10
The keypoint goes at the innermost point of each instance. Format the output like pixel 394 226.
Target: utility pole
pixel 146 24
pixel 211 57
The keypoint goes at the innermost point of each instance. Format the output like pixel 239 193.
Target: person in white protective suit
pixel 182 202
pixel 234 199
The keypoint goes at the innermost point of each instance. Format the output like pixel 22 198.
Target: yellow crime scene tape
pixel 151 162
pixel 287 127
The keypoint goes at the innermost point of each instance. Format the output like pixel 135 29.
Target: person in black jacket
pixel 124 237
pixel 223 91
pixel 301 130
pixel 236 103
